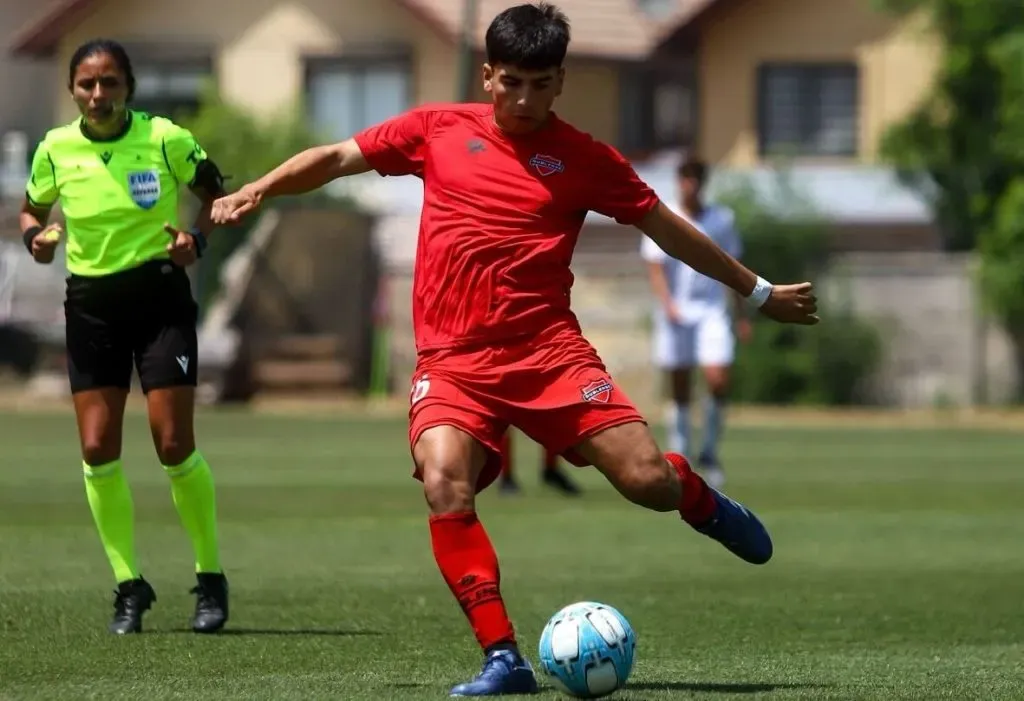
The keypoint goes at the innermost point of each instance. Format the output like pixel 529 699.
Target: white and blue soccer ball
pixel 587 650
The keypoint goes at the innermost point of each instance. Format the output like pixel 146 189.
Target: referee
pixel 117 174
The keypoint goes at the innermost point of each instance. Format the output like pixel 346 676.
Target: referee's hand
pixel 44 244
pixel 182 247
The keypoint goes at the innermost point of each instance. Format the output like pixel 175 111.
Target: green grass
pixel 899 569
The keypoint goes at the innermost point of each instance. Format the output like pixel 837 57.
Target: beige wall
pixel 259 44
pixel 896 60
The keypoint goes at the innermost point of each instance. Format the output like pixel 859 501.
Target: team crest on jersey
pixel 144 187
pixel 597 391
pixel 546 165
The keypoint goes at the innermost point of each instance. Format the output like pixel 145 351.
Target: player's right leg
pixel 456 444
pixel 674 351
pixel 99 370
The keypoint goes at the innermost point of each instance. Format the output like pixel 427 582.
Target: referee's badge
pixel 144 186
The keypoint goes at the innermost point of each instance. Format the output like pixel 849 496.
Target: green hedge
pixel 825 364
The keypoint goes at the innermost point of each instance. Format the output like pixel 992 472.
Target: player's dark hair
pixel 692 167
pixel 103 46
pixel 533 37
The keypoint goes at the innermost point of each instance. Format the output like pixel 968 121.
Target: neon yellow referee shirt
pixel 116 195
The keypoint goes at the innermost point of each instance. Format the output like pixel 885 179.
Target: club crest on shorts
pixel 144 187
pixel 597 391
pixel 546 165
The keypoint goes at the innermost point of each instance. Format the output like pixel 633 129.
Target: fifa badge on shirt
pixel 144 187
pixel 546 165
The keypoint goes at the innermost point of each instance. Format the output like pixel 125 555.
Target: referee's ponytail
pixel 104 46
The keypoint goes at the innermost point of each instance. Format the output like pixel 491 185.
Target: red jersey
pixel 501 216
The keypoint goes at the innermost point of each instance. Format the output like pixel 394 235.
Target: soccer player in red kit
pixel 506 188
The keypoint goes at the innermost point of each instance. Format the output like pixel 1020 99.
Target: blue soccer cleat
pixel 505 672
pixel 739 530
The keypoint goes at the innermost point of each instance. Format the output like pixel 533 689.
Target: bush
pixel 826 364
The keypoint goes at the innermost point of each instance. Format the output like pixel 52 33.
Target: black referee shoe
pixel 211 593
pixel 132 599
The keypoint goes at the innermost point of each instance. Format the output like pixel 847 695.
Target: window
pixel 346 95
pixel 658 111
pixel 171 88
pixel 807 109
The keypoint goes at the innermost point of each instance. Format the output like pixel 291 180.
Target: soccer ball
pixel 587 649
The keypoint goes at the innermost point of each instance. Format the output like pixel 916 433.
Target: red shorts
pixel 554 388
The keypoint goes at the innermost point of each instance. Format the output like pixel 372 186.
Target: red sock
pixel 697 504
pixel 469 565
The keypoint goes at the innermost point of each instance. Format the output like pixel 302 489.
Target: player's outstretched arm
pixel 303 172
pixel 680 239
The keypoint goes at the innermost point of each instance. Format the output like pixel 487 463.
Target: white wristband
pixel 762 289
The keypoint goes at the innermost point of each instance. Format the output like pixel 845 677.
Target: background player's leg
pixel 679 413
pixel 508 479
pixel 171 421
pixel 717 381
pixel 552 474
pixel 674 353
pixel 450 462
pixel 715 350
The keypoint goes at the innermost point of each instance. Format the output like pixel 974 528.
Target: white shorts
pixel 707 342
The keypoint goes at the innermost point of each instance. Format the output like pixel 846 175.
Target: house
pixel 815 84
pixel 353 62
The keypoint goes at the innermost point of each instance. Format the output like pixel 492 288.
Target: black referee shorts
pixel 144 316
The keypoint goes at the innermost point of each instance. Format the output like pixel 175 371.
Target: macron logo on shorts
pixel 597 391
pixel 183 363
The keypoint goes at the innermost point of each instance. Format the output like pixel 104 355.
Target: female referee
pixel 117 173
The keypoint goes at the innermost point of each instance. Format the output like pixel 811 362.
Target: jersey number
pixel 419 389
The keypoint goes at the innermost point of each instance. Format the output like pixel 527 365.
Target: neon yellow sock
pixel 193 493
pixel 110 500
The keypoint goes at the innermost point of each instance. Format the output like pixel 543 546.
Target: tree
pixel 963 147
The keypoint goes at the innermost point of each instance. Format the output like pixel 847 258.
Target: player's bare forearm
pixel 681 240
pixel 312 169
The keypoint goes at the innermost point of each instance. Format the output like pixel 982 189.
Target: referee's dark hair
pixel 104 46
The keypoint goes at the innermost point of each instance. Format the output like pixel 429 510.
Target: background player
pixel 551 472
pixel 506 189
pixel 693 323
pixel 117 175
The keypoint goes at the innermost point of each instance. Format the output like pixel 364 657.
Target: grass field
pixel 899 569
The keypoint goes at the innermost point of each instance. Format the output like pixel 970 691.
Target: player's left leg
pixel 165 356
pixel 628 456
pixel 716 345
pixel 584 415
